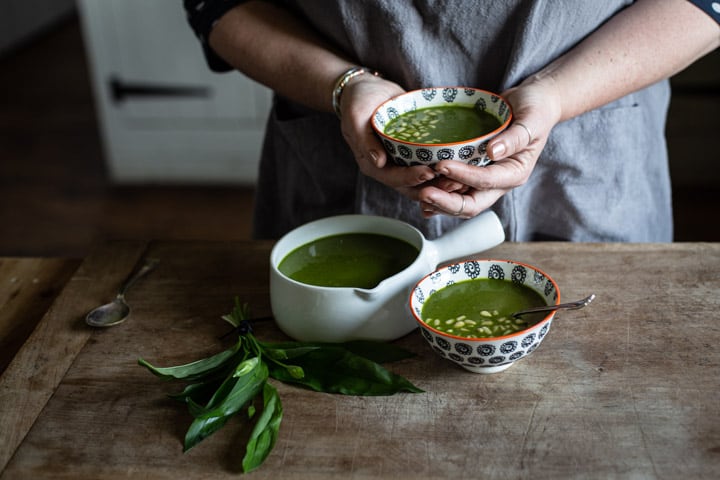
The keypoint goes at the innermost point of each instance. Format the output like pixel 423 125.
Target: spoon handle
pixel 566 306
pixel 148 267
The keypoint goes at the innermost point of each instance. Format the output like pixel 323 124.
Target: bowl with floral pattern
pixel 426 126
pixel 477 297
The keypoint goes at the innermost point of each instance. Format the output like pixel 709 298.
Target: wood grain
pixel 37 369
pixel 28 287
pixel 625 388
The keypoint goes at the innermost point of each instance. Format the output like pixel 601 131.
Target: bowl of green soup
pixel 423 127
pixel 348 277
pixel 465 309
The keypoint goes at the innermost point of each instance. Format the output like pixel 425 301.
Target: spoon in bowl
pixel 118 310
pixel 561 306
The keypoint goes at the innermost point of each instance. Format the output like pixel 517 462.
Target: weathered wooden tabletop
pixel 28 286
pixel 628 387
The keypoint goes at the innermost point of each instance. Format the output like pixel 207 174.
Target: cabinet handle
pixel 121 91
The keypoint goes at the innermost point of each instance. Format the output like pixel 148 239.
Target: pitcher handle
pixel 470 237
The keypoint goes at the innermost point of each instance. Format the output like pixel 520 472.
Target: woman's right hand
pixel 359 100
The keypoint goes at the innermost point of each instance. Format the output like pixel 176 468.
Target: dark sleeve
pixel 202 16
pixel 711 7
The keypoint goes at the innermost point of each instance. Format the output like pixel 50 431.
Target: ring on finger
pixel 462 207
pixel 530 135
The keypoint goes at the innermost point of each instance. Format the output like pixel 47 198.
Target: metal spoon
pixel 550 308
pixel 118 310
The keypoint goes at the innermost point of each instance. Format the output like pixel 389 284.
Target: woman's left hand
pixel 465 190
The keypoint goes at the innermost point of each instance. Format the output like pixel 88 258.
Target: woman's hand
pixel 465 190
pixel 359 100
pixel 451 187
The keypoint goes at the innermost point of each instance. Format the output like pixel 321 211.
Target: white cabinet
pixel 164 116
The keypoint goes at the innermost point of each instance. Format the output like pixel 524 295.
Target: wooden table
pixel 28 286
pixel 629 387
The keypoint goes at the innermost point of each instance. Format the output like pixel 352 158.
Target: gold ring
pixel 530 136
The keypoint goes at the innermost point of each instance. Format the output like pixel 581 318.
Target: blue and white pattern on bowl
pixel 485 355
pixel 472 151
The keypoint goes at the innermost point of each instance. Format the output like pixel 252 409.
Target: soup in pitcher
pixel 357 260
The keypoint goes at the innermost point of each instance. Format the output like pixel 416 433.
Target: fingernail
pixel 374 157
pixel 443 171
pixel 497 150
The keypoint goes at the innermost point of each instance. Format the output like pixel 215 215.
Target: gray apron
pixel 603 176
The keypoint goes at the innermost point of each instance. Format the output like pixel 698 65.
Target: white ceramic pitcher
pixel 338 314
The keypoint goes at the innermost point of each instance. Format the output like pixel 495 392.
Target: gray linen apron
pixel 603 176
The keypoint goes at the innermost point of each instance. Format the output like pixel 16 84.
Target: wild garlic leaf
pixel 220 386
pixel 337 370
pixel 197 369
pixel 234 394
pixel 201 428
pixel 265 432
pixel 239 313
pixel 199 393
pixel 244 387
pixel 287 351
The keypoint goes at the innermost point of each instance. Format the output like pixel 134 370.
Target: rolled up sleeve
pixel 711 7
pixel 202 15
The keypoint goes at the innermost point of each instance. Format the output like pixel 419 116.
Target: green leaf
pixel 197 369
pixel 337 370
pixel 265 432
pixel 200 429
pixel 222 385
pixel 246 382
pixel 246 367
pixel 198 392
pixel 218 396
pixel 287 351
pixel 231 397
pixel 240 312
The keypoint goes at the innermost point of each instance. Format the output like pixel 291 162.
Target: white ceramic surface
pixel 485 355
pixel 331 314
pixel 472 151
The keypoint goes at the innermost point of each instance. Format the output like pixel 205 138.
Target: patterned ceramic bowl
pixel 485 355
pixel 471 151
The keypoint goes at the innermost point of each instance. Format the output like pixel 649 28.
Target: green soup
pixel 446 124
pixel 481 308
pixel 360 260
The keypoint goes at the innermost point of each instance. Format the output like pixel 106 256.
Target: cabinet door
pixel 164 115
